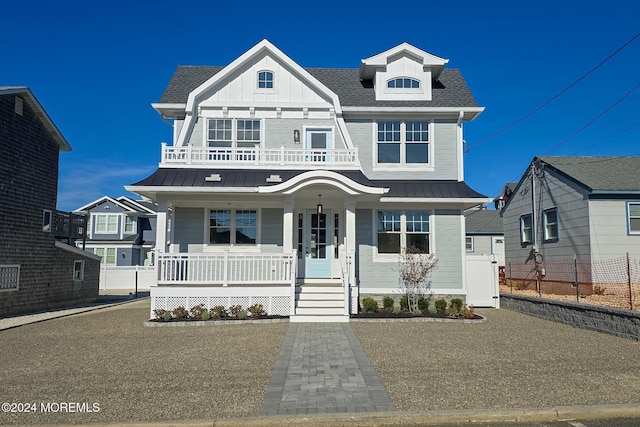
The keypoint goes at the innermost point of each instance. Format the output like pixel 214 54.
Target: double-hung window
pixel 403 229
pixel 78 270
pixel 129 225
pixel 233 227
pixel 468 243
pixel 550 220
pixel 106 224
pixel 633 219
pixel 526 229
pixel 404 142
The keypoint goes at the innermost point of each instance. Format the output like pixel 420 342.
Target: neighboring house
pixel 565 206
pixel 121 231
pixel 485 234
pixel 500 201
pixel 280 177
pixel 39 267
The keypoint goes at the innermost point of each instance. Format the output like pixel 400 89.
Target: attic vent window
pixel 265 80
pixel 403 83
pixel 274 178
pixel 214 177
pixel 19 107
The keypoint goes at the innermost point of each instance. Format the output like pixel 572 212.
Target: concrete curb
pixel 422 418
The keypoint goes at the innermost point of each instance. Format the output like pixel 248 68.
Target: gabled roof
pixel 31 100
pixel 126 203
pixel 483 221
pixel 598 174
pixel 369 65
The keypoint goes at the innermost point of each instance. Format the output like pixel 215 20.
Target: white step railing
pixel 225 269
pixel 258 156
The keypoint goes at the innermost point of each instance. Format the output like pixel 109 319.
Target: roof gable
pixel 369 65
pixel 598 174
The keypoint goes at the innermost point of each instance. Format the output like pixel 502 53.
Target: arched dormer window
pixel 265 80
pixel 403 83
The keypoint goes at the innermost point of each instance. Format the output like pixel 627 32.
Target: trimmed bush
pixel 456 305
pixel 423 304
pixel 180 313
pixel 441 305
pixel 197 311
pixel 387 303
pixel 218 312
pixel 369 304
pixel 242 314
pixel 256 310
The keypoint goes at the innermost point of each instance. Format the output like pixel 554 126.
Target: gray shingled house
pixel 485 234
pixel 587 206
pixel 297 188
pixel 39 266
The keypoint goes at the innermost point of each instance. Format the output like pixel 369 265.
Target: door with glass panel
pixel 318 141
pixel 319 247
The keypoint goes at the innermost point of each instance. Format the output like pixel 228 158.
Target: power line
pixel 627 129
pixel 553 98
pixel 592 121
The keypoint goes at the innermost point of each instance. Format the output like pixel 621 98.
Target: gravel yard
pixel 510 361
pixel 135 373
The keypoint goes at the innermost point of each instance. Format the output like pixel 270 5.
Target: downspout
pixel 460 149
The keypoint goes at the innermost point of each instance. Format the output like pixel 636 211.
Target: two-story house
pixel 297 188
pixel 39 267
pixel 120 230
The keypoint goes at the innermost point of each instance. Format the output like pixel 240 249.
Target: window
pixel 233 227
pixel 550 220
pixel 633 211
pixel 78 270
pixel 403 142
pixel 526 229
pixel 265 80
pixel 9 277
pixel 398 230
pixel 108 255
pixel 220 133
pixel 403 83
pixel 129 225
pixel 46 220
pixel 107 224
pixel 468 243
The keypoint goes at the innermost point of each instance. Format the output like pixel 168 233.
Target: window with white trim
pixel 265 80
pixel 402 229
pixel 108 255
pixel 233 132
pixel 526 229
pixel 129 224
pixel 404 142
pixel 78 270
pixel 403 83
pixel 633 217
pixel 9 277
pixel 550 221
pixel 233 227
pixel 468 243
pixel 106 223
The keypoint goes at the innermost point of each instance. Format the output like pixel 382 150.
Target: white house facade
pixel 297 188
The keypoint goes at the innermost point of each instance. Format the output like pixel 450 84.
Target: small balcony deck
pixel 258 157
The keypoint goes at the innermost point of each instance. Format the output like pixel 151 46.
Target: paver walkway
pixel 322 368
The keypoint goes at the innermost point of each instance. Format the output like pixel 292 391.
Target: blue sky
pixel 97 66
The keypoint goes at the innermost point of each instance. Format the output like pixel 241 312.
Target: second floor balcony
pixel 303 158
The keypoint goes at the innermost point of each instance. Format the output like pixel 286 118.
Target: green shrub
pixel 387 303
pixel 242 314
pixel 441 305
pixel 218 312
pixel 180 313
pixel 423 304
pixel 196 311
pixel 396 309
pixel 404 303
pixel 235 309
pixel 369 304
pixel 416 312
pixel 256 310
pixel 160 314
pixel 205 315
pixel 456 305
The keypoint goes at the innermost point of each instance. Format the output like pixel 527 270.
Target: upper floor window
pixel 633 217
pixel 403 83
pixel 403 142
pixel 221 132
pixel 265 80
pixel 526 229
pixel 403 229
pixel 107 224
pixel 550 220
pixel 129 225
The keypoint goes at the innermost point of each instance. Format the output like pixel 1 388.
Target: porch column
pixel 287 225
pixel 161 227
pixel 350 225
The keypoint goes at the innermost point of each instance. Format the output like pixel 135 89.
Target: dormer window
pixel 265 80
pixel 403 83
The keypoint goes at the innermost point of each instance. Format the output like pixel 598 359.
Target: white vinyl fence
pixel 482 281
pixel 125 277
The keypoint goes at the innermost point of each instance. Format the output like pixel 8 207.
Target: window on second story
pixel 550 220
pixel 633 220
pixel 526 229
pixel 403 83
pixel 403 142
pixel 221 132
pixel 106 224
pixel 130 225
pixel 265 80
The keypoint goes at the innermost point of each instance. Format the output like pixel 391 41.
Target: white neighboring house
pixel 297 188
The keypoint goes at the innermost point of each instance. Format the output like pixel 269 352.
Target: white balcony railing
pixel 259 156
pixel 225 269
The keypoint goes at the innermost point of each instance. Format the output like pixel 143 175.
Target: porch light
pixel 296 136
pixel 319 207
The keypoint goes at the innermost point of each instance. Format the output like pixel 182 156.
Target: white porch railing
pixel 225 269
pixel 258 156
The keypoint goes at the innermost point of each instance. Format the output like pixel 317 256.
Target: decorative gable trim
pixel 102 200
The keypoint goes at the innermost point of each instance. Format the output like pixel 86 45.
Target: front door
pixel 318 244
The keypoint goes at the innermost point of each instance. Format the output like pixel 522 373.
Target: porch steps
pixel 320 301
